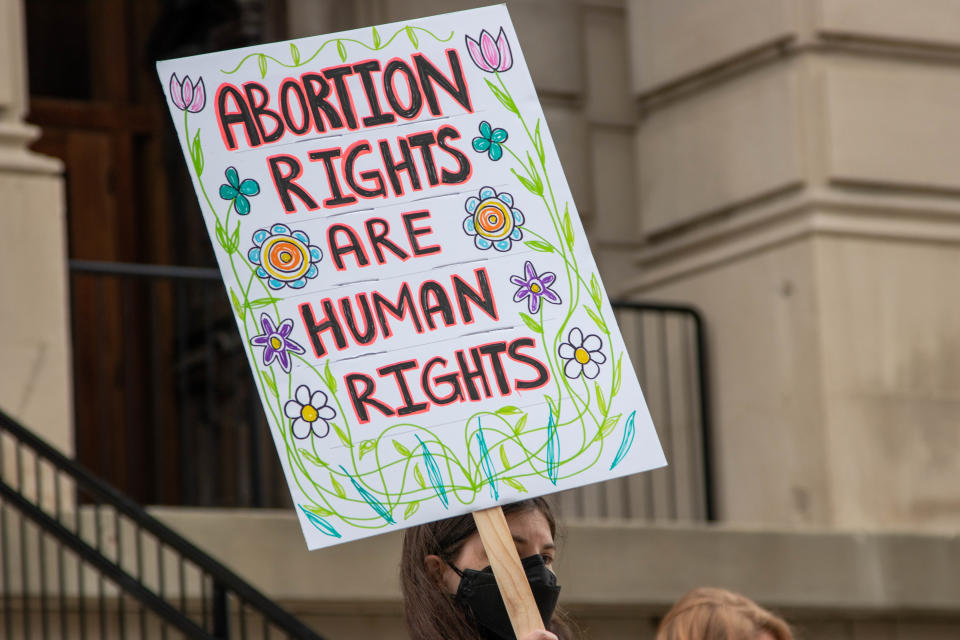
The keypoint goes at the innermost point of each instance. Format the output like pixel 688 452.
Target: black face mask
pixel 480 597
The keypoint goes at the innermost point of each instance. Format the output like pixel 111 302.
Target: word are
pixel 303 105
pixel 347 180
pixel 477 373
pixel 365 318
pixel 344 240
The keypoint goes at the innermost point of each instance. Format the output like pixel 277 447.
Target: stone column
pixel 35 363
pixel 799 181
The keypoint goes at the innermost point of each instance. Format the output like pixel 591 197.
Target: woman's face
pixel 530 531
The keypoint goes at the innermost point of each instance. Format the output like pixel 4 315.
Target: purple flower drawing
pixel 534 287
pixel 188 96
pixel 309 413
pixel 489 54
pixel 276 342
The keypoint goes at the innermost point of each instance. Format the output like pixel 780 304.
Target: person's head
pixel 435 554
pixel 717 614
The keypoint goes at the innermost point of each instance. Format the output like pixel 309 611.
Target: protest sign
pixel 421 311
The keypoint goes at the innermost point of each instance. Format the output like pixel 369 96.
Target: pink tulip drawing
pixel 188 96
pixel 489 54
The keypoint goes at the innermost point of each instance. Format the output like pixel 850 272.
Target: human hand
pixel 539 634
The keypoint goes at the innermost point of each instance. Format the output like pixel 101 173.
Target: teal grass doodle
pixel 512 447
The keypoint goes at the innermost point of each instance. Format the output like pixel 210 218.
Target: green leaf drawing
pixel 530 186
pixel 328 378
pixel 538 142
pixel 411 509
pixel 259 303
pixel 262 62
pixel 418 476
pixel 534 176
pixel 366 447
pixel 503 97
pixel 221 234
pixel 271 382
pixel 337 487
pixel 516 485
pixel 567 227
pixel 402 450
pixel 616 376
pixel 596 319
pixel 237 307
pixel 294 54
pixel 320 511
pixel 600 400
pixel 595 292
pixel 413 37
pixel 343 436
pixel 196 154
pixel 508 410
pixel 609 424
pixel 312 458
pixel 530 322
pixel 233 241
pixel 537 245
pixel 342 50
pixel 376 38
pixel 503 457
pixel 521 423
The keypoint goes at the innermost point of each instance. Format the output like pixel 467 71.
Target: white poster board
pixel 420 308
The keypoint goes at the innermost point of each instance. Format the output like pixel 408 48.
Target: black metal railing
pixel 667 346
pixel 174 360
pixel 78 559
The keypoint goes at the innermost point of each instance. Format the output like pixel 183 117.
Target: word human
pixel 478 373
pixel 366 317
pixel 305 104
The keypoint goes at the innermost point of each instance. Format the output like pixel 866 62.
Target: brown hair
pixel 430 612
pixel 717 614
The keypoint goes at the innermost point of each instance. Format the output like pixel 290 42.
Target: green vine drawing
pixel 296 60
pixel 504 446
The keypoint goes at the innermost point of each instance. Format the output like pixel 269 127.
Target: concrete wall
pixel 618 578
pixel 796 163
pixel 34 335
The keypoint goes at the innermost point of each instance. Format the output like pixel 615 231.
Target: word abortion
pixel 304 104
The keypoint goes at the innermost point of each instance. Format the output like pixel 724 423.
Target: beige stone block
pixel 607 59
pixel 892 123
pixel 309 17
pixel 12 45
pixel 395 10
pixel 935 22
pixel 613 568
pixel 617 264
pixel 891 362
pixel 672 39
pixel 614 210
pixel 736 142
pixel 569 133
pixel 35 370
pixel 769 452
pixel 551 35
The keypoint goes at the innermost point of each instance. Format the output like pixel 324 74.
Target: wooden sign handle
pixel 511 579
